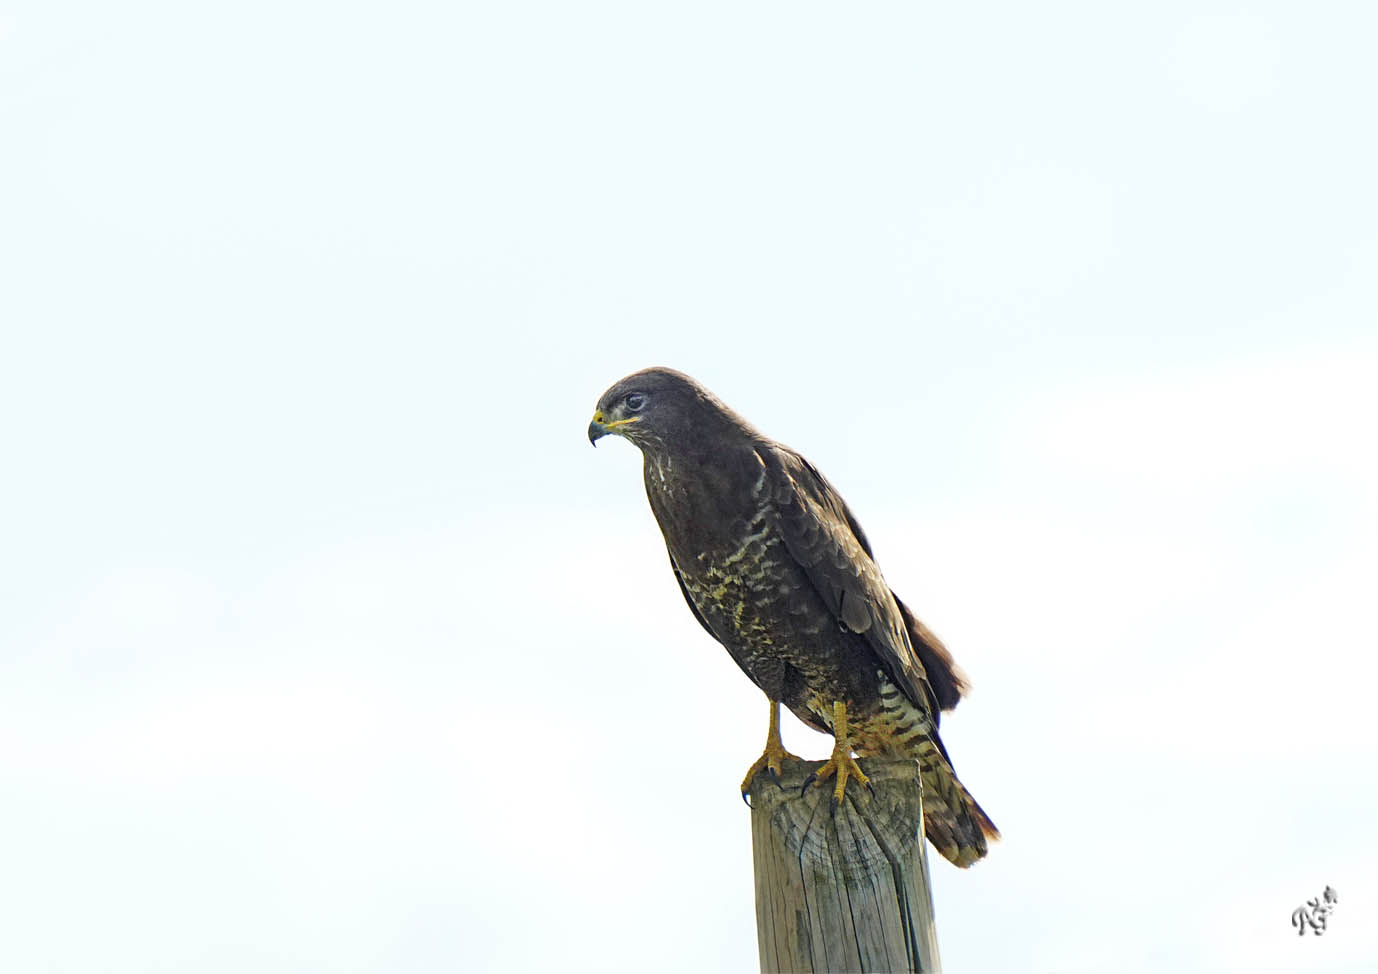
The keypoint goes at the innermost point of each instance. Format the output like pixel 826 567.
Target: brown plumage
pixel 776 568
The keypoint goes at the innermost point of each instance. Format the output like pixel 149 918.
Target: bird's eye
pixel 635 401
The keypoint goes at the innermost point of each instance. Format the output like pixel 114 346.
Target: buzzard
pixel 776 568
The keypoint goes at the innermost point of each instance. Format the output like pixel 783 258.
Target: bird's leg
pixel 841 765
pixel 774 753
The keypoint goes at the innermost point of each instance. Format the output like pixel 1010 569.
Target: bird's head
pixel 656 409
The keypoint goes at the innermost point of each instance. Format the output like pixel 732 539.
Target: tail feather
pixel 956 825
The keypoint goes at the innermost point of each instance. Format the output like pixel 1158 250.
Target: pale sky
pixel 329 645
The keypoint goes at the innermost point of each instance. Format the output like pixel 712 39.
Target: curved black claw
pixel 813 776
pixel 746 800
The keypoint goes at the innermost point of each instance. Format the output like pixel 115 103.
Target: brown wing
pixel 946 678
pixel 821 534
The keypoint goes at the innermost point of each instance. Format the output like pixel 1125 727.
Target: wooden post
pixel 846 891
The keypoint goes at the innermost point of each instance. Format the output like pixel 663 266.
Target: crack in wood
pixel 855 890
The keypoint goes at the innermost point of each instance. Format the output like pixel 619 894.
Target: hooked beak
pixel 600 427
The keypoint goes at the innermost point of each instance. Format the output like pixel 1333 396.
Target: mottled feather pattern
pixel 817 529
pixel 776 568
pixel 744 592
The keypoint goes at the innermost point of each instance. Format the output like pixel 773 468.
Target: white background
pixel 328 644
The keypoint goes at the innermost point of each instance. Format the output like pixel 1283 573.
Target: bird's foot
pixel 840 766
pixel 769 761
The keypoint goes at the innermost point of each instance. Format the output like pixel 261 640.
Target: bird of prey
pixel 776 568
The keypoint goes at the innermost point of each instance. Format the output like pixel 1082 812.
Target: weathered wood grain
pixel 845 890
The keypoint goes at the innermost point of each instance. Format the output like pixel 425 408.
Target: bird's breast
pixel 752 593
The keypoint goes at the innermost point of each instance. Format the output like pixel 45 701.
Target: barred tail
pixel 953 822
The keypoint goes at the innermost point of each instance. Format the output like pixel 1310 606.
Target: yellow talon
pixel 841 765
pixel 774 753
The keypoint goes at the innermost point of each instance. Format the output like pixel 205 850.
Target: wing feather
pixel 821 534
